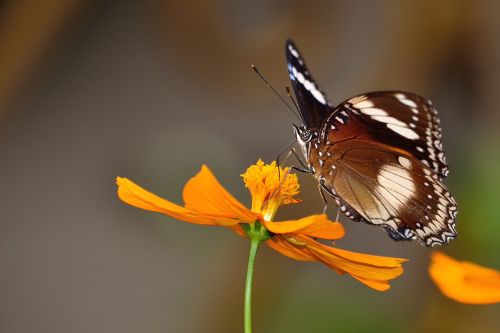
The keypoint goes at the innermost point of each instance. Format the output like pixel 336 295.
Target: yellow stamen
pixel 271 187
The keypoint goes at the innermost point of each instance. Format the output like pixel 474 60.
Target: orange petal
pixel 280 244
pixel 464 281
pixel 367 259
pixel 204 193
pixel 315 225
pixel 377 285
pixel 134 195
pixel 373 271
pixel 239 230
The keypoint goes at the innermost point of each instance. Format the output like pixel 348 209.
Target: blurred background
pixel 150 90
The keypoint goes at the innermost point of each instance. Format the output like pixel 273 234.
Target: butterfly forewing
pixel 403 120
pixel 314 105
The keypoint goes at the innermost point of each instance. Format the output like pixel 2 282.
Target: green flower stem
pixel 257 234
pixel 254 246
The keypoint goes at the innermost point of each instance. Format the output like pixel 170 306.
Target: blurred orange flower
pixel 207 202
pixel 464 281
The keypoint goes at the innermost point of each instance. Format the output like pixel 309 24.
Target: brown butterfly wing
pixel 395 191
pixel 403 120
pixel 382 184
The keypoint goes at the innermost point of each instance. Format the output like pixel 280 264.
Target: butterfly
pixel 379 155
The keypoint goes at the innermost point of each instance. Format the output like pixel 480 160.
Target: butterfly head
pixel 303 134
pixel 304 137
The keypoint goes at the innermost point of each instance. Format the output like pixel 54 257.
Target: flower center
pixel 271 186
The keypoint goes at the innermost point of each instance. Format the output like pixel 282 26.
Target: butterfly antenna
pixel 289 93
pixel 276 93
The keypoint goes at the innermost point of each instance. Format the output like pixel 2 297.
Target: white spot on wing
pixel 364 104
pixel 357 99
pixel 293 51
pixel 392 123
pixel 408 102
pixel 397 182
pixel 300 77
pixel 308 85
pixel 389 120
pixel 374 112
pixel 405 163
pixel 318 95
pixel 404 131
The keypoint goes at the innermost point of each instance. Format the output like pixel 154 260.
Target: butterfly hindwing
pixel 394 191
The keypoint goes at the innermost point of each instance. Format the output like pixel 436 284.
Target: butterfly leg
pixel 338 214
pixel 286 150
pixel 304 168
pixel 280 164
pixel 302 163
pixel 321 186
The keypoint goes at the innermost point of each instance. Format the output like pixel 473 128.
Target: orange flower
pixel 207 202
pixel 465 281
